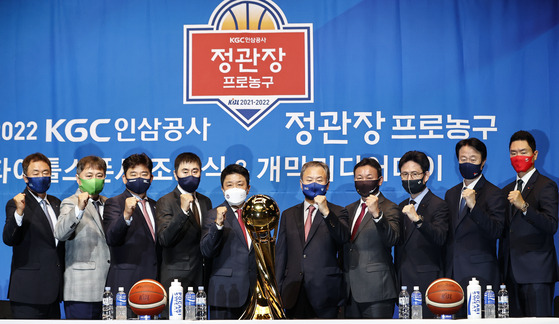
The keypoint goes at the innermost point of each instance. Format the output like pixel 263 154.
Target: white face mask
pixel 235 196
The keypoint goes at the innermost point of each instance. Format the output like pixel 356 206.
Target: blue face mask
pixel 138 185
pixel 314 189
pixel 38 184
pixel 469 171
pixel 189 184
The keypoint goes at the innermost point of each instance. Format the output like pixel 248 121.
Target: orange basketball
pixel 147 297
pixel 444 297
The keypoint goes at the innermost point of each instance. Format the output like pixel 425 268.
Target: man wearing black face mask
pixel 129 223
pixel 374 227
pixel 179 218
pixel 476 221
pixel 424 225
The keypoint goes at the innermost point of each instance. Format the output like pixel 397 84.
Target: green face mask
pixel 92 186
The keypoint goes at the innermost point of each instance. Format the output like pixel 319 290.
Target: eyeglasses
pixel 413 175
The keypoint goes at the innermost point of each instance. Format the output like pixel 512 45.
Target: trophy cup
pixel 261 216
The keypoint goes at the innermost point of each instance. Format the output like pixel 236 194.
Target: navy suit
pixel 314 265
pixel 134 253
pixel 233 271
pixel 419 254
pixel 37 262
pixel 527 250
pixel 472 239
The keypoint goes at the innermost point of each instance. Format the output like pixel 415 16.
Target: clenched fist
pixel 410 211
pixel 372 205
pixel 320 200
pixel 83 198
pixel 470 196
pixel 220 216
pixel 129 206
pixel 19 199
pixel 186 199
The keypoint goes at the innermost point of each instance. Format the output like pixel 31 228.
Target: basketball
pixel 444 297
pixel 147 297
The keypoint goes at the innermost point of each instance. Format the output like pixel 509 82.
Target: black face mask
pixel 413 186
pixel 367 187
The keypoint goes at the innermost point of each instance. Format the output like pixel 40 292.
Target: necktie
pixel 358 221
pixel 462 210
pixel 412 202
pixel 46 210
pixel 146 216
pixel 195 212
pixel 96 204
pixel 520 182
pixel 242 224
pixel 308 222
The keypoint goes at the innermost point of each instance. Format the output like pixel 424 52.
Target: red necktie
pixel 242 224
pixel 308 222
pixel 146 216
pixel 359 219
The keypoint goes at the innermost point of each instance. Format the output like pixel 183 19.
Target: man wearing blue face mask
pixel 130 229
pixel 227 244
pixel 35 287
pixel 308 251
pixel 179 218
pixel 476 221
pixel 87 254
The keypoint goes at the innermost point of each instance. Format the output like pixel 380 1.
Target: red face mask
pixel 522 163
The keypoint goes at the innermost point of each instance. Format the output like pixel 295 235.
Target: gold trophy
pixel 261 216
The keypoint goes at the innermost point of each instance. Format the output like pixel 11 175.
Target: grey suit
pixel 87 252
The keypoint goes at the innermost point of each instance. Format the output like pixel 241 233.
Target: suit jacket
pixel 179 235
pixel 368 267
pixel 314 264
pixel 37 262
pixel 419 253
pixel 87 253
pixel 233 271
pixel 472 239
pixel 527 245
pixel 134 254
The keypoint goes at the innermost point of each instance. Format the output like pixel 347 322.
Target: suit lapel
pixel 234 223
pixel 38 212
pixel 314 226
pixel 367 217
pixel 526 191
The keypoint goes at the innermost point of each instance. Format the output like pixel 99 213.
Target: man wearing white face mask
pixel 226 242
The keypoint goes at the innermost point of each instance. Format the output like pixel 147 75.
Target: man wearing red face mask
pixel 527 250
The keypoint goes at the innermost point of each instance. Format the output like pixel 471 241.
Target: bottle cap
pixel 190 288
pixel 108 288
pixel 176 283
pixel 474 281
pixel 502 286
pixel 415 287
pixel 404 287
pixel 489 287
pixel 120 288
pixel 201 288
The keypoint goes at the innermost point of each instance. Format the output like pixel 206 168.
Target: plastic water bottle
pixel 503 301
pixel 474 299
pixel 190 305
pixel 404 304
pixel 175 304
pixel 489 302
pixel 201 308
pixel 121 304
pixel 416 307
pixel 107 304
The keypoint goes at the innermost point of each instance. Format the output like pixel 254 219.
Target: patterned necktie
pixel 196 212
pixel 46 211
pixel 462 210
pixel 148 220
pixel 308 222
pixel 242 224
pixel 358 221
pixel 520 182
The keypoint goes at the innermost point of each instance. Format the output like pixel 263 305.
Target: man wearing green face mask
pixel 87 253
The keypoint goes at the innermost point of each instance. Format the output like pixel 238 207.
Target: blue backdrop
pixel 106 78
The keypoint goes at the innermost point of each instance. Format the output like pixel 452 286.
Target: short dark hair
pixel 187 157
pixel 34 158
pixel 523 135
pixel 319 164
pixel 91 161
pixel 476 144
pixel 137 159
pixel 232 169
pixel 417 157
pixel 370 162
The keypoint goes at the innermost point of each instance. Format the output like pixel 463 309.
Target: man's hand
pixel 410 211
pixel 220 216
pixel 83 198
pixel 186 199
pixel 320 200
pixel 515 198
pixel 129 206
pixel 470 196
pixel 19 199
pixel 372 205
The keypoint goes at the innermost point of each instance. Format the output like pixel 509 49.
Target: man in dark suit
pixel 424 225
pixel 35 288
pixel 368 267
pixel 310 239
pixel 179 217
pixel 129 224
pixel 226 242
pixel 476 221
pixel 527 250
